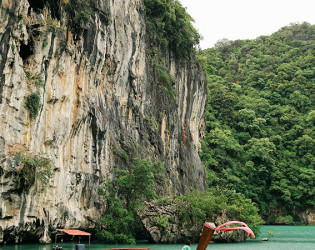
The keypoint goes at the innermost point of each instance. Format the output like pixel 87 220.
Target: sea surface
pixel 285 238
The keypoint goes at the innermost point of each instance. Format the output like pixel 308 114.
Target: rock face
pixel 307 216
pixel 97 103
pixel 163 225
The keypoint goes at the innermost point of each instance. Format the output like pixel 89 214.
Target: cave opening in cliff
pixel 52 5
pixel 26 50
pixel 37 5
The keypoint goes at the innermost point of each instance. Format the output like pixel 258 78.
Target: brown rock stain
pixel 61 76
pixel 16 147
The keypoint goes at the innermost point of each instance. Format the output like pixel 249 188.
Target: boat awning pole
pixel 56 238
pixel 205 238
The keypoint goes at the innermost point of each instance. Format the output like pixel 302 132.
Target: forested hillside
pixel 260 120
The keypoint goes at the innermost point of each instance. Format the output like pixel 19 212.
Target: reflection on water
pixel 286 238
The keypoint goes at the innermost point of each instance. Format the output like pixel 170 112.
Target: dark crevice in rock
pixel 8 217
pixel 98 135
pixel 36 5
pixel 26 50
pixel 35 30
pixel 4 47
pixel 22 211
pixel 52 5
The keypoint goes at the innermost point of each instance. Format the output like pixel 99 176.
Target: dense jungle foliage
pixel 260 120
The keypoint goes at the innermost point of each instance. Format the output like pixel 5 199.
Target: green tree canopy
pixel 259 136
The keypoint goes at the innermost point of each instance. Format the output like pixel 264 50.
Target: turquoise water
pixel 285 238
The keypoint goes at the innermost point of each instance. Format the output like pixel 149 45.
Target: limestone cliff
pixel 97 102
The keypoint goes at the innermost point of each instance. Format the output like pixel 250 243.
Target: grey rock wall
pixel 96 99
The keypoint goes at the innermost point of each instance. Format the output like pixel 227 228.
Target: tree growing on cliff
pixel 37 169
pixel 170 26
pixel 33 104
pixel 120 222
pixel 116 222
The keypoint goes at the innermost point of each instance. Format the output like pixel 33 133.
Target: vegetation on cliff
pixel 33 104
pixel 36 169
pixel 125 195
pixel 259 137
pixel 169 31
pixel 170 27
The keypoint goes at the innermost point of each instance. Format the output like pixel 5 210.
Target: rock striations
pixel 96 102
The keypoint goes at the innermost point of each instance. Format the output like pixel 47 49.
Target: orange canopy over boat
pixel 74 232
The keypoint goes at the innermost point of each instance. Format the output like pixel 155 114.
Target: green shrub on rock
pixel 36 169
pixel 33 104
pixel 124 196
